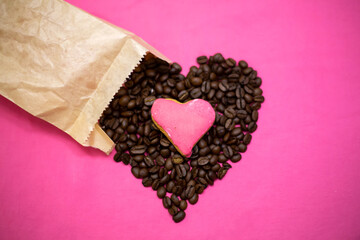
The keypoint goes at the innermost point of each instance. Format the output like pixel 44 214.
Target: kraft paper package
pixel 64 66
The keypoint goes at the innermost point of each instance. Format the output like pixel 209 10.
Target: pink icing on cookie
pixel 183 123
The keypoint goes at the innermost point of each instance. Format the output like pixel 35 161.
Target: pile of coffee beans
pixel 232 88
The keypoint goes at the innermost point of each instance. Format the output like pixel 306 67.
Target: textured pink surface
pixel 185 123
pixel 299 178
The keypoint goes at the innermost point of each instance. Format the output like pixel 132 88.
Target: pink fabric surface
pixel 184 124
pixel 299 178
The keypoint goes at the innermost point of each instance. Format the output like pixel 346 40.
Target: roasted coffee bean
pixel 235 158
pixel 168 164
pixel 117 157
pixel 221 173
pixel 165 152
pixel 139 149
pixel 204 151
pixel 230 113
pixel 125 158
pixel 235 132
pixel 177 159
pixel 148 101
pixel 216 167
pixel 175 199
pixel 162 172
pixel 247 138
pixel 165 179
pixel 148 161
pixel 183 205
pixel 147 182
pixel 169 186
pixel 203 161
pixel 242 147
pixel 196 81
pixel 228 152
pixel 222 158
pixel 179 216
pixel 173 210
pixel 143 172
pixel 183 170
pixel 226 165
pixel 167 202
pixel 164 142
pixel 257 92
pixel 154 169
pixel 161 192
pixel 155 185
pixel 190 191
pixel 194 199
pixel 202 60
pixel 124 100
pixel 259 99
pixel 195 93
pixel 183 95
pixel 136 172
pixel 160 161
pixel 220 131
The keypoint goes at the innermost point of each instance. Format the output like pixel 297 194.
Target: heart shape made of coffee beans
pixel 233 90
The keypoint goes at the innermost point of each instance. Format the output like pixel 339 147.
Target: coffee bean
pixel 139 149
pixel 136 172
pixel 221 173
pixel 117 157
pixel 183 205
pixel 204 151
pixel 177 159
pixel 165 179
pixel 226 166
pixel 164 142
pixel 190 191
pixel 148 161
pixel 173 210
pixel 143 172
pixel 203 161
pixel 259 99
pixel 179 216
pixel 195 93
pixel 242 147
pixel 247 138
pixel 230 113
pixel 160 161
pixel 228 152
pixel 196 81
pixel 183 95
pixel 168 164
pixel 235 132
pixel 169 186
pixel 147 182
pixel 125 158
pixel 248 98
pixel 202 60
pixel 124 100
pixel 167 202
pixel 165 153
pixel 194 199
pixel 235 158
pixel 148 101
pixel 161 192
pixel 175 200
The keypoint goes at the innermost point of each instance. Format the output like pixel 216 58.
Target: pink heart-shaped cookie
pixel 183 123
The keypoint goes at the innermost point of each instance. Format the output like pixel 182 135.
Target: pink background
pixel 299 178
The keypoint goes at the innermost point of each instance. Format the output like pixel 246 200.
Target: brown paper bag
pixel 64 65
